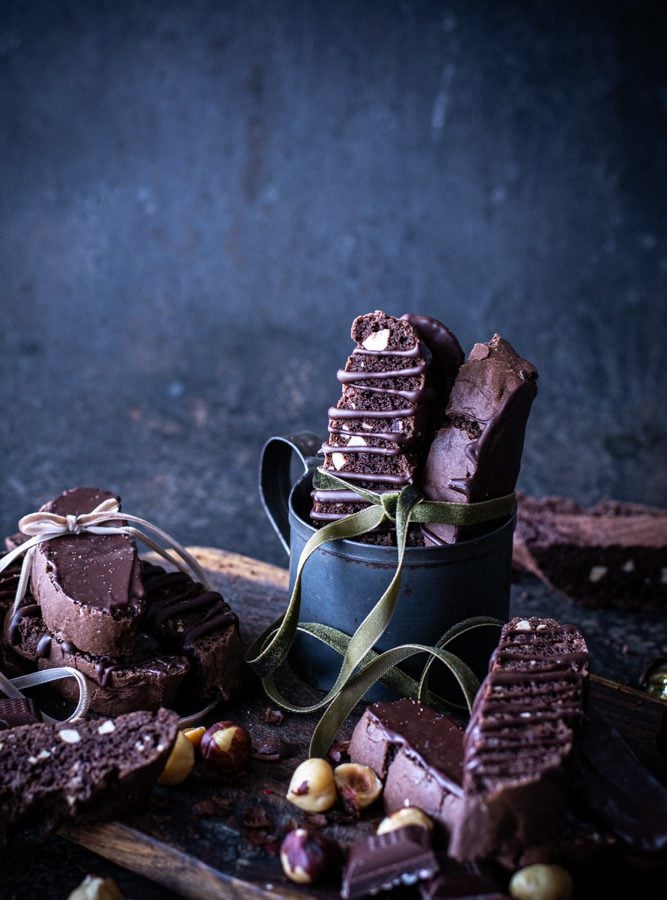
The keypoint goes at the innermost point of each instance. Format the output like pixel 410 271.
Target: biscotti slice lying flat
pixel 88 585
pixel 520 740
pixel 378 425
pixel 476 454
pixel 611 555
pixel 417 751
pixel 78 771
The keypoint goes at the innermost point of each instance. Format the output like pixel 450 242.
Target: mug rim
pixel 425 555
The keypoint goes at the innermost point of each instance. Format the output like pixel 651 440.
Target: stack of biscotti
pixel 611 555
pixel 383 418
pixel 144 638
pixel 83 770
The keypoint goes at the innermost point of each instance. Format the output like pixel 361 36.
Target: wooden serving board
pixel 207 838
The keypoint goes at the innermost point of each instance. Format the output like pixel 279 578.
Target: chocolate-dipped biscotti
pixel 50 774
pixel 382 420
pixel 476 454
pixel 178 646
pixel 88 585
pixel 520 740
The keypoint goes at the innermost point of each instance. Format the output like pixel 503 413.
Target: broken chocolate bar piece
pixel 462 881
pixel 520 741
pixel 476 454
pixel 88 585
pixel 622 795
pixel 417 751
pixel 381 862
pixel 611 555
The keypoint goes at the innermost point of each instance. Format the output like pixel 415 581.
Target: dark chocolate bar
pixel 380 862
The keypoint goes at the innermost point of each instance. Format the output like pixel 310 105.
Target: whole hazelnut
pixel 406 815
pixel 541 881
pixel 226 750
pixel 313 787
pixel 180 763
pixel 358 785
pixel 307 856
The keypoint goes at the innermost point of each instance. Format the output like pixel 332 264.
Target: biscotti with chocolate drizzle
pixel 80 771
pixel 382 418
pixel 520 740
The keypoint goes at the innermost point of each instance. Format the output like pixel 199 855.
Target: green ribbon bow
pixel 362 666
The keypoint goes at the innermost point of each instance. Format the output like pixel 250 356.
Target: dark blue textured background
pixel 197 198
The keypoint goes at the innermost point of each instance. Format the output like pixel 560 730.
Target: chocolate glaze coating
pixel 417 751
pixel 88 585
pixel 476 454
pixel 446 357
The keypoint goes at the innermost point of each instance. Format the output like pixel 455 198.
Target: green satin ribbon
pixel 361 666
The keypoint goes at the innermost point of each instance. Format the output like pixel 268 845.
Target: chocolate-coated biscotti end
pixel 476 454
pixel 418 752
pixel 88 585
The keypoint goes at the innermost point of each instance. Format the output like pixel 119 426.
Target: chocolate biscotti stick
pixel 520 740
pixel 88 585
pixel 476 454
pixel 382 419
pixel 82 770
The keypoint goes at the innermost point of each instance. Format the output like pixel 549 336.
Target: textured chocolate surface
pixel 611 555
pixel 83 770
pixel 476 454
pixel 88 585
pixel 417 751
pixel 463 881
pixel 519 740
pixel 380 862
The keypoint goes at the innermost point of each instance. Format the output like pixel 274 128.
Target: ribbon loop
pixel 361 665
pixel 389 502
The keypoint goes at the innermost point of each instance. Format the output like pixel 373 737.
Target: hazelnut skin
pixel 307 856
pixel 313 787
pixel 362 784
pixel 226 750
pixel 180 763
pixel 541 881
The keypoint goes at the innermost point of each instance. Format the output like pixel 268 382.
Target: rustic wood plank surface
pixel 213 839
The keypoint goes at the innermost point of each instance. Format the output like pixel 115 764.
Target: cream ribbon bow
pixel 47 526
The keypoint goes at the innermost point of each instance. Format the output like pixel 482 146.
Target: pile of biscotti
pixel 412 411
pixel 535 777
pixel 143 638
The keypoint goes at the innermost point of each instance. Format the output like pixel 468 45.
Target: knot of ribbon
pixel 361 665
pixel 106 518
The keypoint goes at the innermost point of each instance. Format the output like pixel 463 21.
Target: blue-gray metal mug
pixel 344 579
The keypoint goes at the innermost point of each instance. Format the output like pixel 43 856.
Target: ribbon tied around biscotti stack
pixel 106 518
pixel 361 666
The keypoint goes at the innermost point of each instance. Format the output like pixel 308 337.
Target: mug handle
pixel 275 481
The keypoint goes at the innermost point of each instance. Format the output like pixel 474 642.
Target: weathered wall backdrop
pixel 197 198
